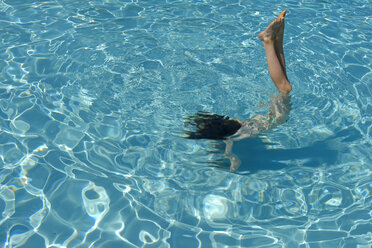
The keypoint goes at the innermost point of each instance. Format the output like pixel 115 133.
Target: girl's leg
pixel 272 39
pixel 279 48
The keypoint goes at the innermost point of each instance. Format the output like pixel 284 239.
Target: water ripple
pixel 92 102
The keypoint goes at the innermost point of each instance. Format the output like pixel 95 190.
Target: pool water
pixel 93 98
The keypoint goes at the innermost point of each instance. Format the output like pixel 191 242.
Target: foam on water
pixel 93 96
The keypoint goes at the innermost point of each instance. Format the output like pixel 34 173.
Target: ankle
pixel 268 41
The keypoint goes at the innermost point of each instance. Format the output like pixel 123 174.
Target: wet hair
pixel 211 126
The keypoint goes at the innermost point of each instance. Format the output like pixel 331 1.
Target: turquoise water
pixel 93 96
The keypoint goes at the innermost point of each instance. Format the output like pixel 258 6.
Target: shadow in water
pixel 255 154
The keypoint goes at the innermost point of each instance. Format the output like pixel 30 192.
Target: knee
pixel 285 87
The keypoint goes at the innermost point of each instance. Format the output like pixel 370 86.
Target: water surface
pixel 93 96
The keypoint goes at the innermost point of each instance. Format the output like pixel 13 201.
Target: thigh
pixel 279 109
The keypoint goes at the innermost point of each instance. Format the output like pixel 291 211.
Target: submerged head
pixel 211 126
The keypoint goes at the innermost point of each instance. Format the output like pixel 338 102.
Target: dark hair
pixel 211 126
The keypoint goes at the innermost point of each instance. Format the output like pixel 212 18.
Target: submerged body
pixel 278 114
pixel 217 127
